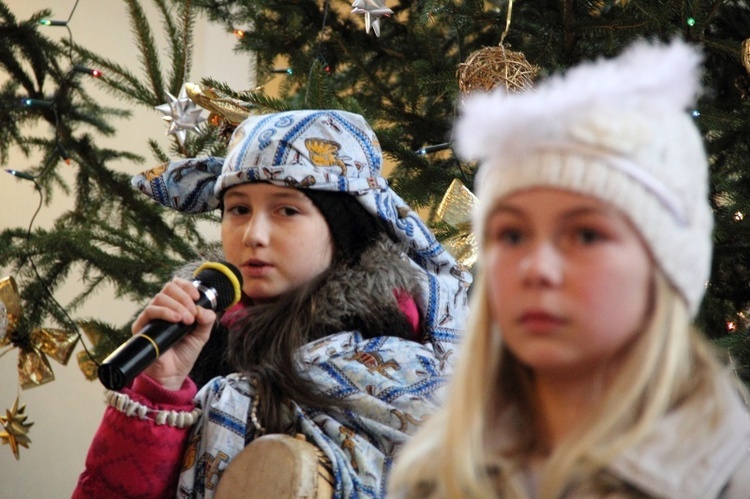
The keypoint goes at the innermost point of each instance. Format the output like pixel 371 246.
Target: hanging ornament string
pixel 508 16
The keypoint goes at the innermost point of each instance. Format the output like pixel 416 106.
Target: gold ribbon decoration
pixel 95 333
pixel 746 54
pixel 12 310
pixel 232 110
pixel 455 210
pixel 15 429
pixel 33 366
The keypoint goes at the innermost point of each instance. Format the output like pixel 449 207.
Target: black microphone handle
pixel 142 349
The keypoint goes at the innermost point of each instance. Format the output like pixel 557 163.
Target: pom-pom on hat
pixel 617 130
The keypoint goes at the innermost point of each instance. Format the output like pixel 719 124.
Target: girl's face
pixel 276 236
pixel 569 280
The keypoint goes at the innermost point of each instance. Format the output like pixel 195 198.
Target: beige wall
pixel 67 411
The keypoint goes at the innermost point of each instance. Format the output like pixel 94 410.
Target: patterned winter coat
pixel 387 386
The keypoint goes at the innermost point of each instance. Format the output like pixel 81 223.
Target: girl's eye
pixel 236 210
pixel 588 236
pixel 289 211
pixel 509 236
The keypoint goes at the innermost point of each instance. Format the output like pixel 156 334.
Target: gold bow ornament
pixel 34 346
pixel 455 210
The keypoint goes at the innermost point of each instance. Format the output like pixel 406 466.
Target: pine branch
pixel 119 81
pixel 149 57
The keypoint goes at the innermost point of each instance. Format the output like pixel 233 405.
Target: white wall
pixel 66 412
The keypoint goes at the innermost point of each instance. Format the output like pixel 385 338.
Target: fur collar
pixel 346 297
pixel 358 296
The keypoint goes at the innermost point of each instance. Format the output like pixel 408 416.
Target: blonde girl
pixel 581 375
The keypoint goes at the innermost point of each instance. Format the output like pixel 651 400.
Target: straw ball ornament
pixel 490 67
pixel 746 54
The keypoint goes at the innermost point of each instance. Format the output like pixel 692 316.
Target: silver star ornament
pixel 182 114
pixel 373 11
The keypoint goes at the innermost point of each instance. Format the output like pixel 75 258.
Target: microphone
pixel 220 286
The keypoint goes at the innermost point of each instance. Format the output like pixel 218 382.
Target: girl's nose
pixel 542 266
pixel 257 232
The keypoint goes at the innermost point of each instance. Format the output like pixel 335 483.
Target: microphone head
pixel 225 279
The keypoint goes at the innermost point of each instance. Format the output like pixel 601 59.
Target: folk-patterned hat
pixel 619 130
pixel 327 150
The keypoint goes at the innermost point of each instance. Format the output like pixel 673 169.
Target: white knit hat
pixel 614 129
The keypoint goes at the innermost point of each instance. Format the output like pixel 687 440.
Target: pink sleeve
pixel 132 457
pixel 409 308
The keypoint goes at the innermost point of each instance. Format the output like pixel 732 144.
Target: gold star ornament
pixel 15 428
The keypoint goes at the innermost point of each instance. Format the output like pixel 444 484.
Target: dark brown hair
pixel 265 338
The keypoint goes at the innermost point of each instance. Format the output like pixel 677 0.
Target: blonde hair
pixel 450 455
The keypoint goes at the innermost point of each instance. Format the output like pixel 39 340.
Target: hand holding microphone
pixel 219 285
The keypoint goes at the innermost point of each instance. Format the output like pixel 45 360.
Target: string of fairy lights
pixel 59 151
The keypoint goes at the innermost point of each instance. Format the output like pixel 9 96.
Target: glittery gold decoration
pixel 746 54
pixel 87 366
pixel 12 304
pixel 33 366
pixel 15 428
pixel 455 210
pixel 95 334
pixel 231 110
pixel 33 369
pixel 56 343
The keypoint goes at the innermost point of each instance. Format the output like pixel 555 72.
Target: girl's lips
pixel 540 322
pixel 256 268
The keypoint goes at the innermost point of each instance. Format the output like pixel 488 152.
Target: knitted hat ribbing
pixel 614 129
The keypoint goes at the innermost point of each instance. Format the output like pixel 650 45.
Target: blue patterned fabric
pixel 326 150
pixel 389 385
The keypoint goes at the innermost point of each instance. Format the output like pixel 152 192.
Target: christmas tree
pixel 403 64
